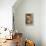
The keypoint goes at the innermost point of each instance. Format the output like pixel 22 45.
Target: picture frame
pixel 29 18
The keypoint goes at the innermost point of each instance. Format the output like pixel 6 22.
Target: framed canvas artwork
pixel 29 18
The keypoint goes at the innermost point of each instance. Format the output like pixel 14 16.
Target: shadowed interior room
pixel 22 23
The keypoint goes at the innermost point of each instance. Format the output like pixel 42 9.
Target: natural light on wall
pixel 6 13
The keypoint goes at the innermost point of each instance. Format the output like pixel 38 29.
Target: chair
pixel 29 43
pixel 18 39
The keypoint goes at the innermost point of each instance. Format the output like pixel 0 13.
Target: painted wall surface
pixel 32 32
pixel 43 22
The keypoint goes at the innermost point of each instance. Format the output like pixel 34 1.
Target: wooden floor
pixel 9 43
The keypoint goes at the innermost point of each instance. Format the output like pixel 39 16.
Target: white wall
pixel 29 31
pixel 43 22
pixel 6 13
